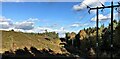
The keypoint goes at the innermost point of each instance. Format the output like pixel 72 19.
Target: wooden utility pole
pixel 97 47
pixel 111 40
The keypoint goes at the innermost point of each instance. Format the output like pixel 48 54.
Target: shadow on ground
pixel 34 53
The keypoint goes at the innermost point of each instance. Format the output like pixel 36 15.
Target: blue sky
pixel 53 16
pixel 52 13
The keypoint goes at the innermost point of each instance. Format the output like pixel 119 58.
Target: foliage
pixel 87 39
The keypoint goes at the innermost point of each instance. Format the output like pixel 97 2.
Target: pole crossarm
pixel 105 7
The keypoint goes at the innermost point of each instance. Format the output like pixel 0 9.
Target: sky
pixel 60 17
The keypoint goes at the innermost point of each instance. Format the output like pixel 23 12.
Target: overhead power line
pixel 97 12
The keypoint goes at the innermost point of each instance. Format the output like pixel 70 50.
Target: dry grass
pixel 12 39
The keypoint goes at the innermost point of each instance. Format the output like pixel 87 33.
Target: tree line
pixel 85 40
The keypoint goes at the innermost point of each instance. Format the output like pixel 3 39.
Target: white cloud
pixel 91 3
pixel 77 7
pixel 36 19
pixel 114 16
pixel 42 29
pixel 100 17
pixel 105 17
pixel 24 25
pixel 33 19
pixel 5 23
pixel 77 25
pixel 3 19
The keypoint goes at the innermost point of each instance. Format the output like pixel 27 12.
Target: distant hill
pixel 12 40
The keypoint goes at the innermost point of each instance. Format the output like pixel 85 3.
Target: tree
pixel 67 37
pixel 12 29
pixel 117 34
